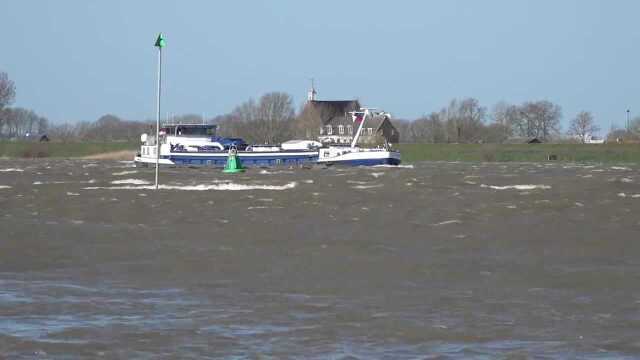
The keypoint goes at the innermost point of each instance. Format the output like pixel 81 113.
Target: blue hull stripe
pixel 368 162
pixel 221 160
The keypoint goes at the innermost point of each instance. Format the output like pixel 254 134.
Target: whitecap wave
pixel 5 187
pixel 121 173
pixel 201 187
pixel 620 168
pixel 11 170
pixel 448 222
pixel 517 187
pixel 634 196
pixel 395 166
pixel 364 187
pixel 130 182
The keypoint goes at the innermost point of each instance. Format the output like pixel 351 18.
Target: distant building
pixel 590 139
pixel 331 123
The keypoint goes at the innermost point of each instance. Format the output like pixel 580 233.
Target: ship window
pixel 321 130
pixel 349 130
pixel 341 129
pixel 329 130
pixel 198 130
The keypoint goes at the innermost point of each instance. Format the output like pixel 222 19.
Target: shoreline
pixel 411 153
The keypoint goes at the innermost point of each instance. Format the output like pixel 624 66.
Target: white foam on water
pixel 121 173
pixel 131 182
pixel 5 187
pixel 11 170
pixel 377 174
pixel 517 187
pixel 626 180
pixel 395 166
pixel 202 187
pixel 267 172
pixel 72 194
pixel 364 187
pixel 633 196
pixel 51 182
pixel 448 222
pixel 620 168
pixel 308 181
pixel 357 182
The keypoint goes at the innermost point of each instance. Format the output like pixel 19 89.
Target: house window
pixel 349 130
pixel 370 131
pixel 341 129
pixel 329 130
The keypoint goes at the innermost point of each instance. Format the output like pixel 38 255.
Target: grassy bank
pixel 608 153
pixel 25 149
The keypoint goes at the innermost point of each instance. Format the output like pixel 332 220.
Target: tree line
pixel 273 119
pixel 17 121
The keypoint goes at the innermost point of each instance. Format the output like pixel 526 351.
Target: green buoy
pixel 233 163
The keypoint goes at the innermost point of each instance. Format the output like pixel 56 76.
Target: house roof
pixel 375 122
pixel 333 111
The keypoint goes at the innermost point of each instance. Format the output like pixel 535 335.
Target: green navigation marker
pixel 160 41
pixel 233 163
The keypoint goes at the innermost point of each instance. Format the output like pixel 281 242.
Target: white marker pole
pixel 159 45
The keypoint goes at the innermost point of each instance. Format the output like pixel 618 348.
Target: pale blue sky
pixel 77 59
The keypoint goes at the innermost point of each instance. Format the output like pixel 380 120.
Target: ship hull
pixel 248 159
pixel 358 157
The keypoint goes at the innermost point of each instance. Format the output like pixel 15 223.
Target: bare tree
pixel 464 120
pixel 7 95
pixel 275 110
pixel 506 116
pixel 582 126
pixel 268 121
pixel 539 119
pixel 7 90
pixel 428 129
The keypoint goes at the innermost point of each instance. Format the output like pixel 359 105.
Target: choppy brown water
pixel 444 260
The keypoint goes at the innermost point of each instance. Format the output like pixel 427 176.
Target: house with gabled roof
pixel 330 122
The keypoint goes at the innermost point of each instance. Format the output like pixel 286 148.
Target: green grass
pixel 608 153
pixel 27 149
